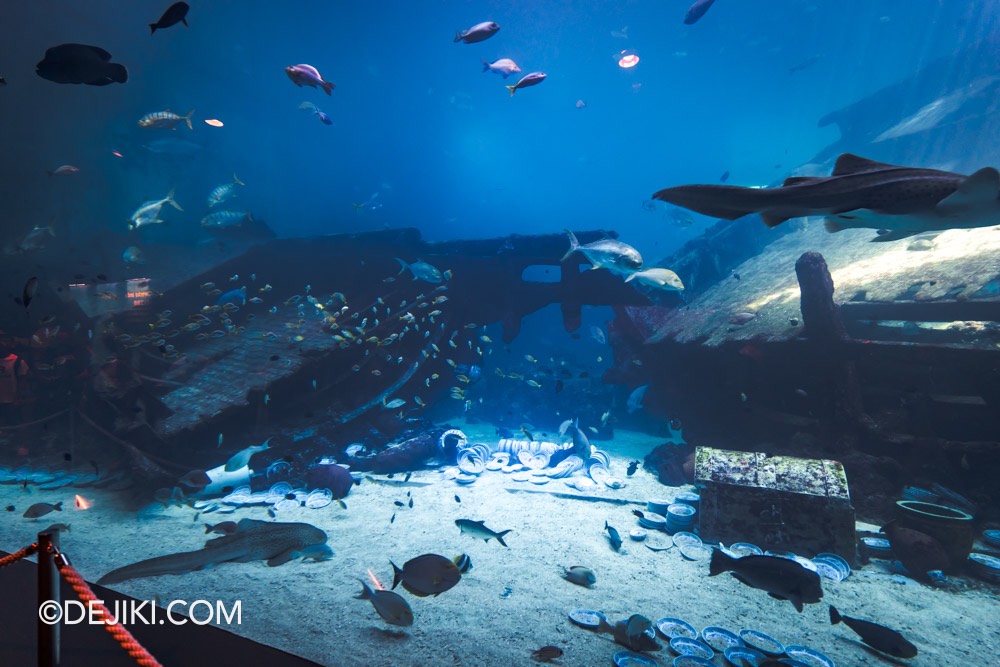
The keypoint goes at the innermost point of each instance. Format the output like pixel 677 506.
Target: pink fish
pixel 307 75
pixel 63 170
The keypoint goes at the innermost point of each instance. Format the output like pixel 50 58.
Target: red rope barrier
pixel 29 550
pixel 123 636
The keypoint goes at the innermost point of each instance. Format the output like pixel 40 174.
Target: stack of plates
pixel 653 521
pixel 985 567
pixel 688 498
pixel 992 537
pixel 878 547
pixel 680 517
pixel 658 506
pixel 832 566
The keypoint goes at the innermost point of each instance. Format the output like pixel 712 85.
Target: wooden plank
pixel 923 311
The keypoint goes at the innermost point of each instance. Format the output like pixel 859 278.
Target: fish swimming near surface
pixel 421 270
pixel 877 636
pixel 479 530
pixel 80 64
pixel 223 192
pixel 277 543
pixel 782 578
pixel 860 193
pixel 477 33
pixel 176 13
pixel 166 120
pixel 664 279
pixel 390 606
pixel 503 66
pixel 429 574
pixel 307 75
pixel 609 254
pixel 528 80
pixel 697 10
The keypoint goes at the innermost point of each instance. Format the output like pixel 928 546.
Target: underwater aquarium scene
pixel 478 333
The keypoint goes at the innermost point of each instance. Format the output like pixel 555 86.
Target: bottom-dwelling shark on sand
pixel 897 201
pixel 277 543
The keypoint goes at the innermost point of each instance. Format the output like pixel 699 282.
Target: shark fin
pixel 896 235
pixel 982 186
pixel 848 163
pixel 799 180
pixel 282 558
pixel 773 218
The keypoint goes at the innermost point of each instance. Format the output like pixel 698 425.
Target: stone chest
pixel 776 502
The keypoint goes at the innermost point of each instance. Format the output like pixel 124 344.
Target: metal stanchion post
pixel 48 589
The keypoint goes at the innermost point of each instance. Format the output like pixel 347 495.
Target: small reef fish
pixel 175 14
pixel 41 509
pixel 613 537
pixel 224 528
pixel 64 170
pixel 636 398
pixel 307 75
pixel 133 255
pixel 165 119
pixel 504 67
pixel 696 11
pixel 661 278
pixel 395 403
pixel 532 79
pixel 782 578
pixel 390 606
pixel 609 254
pixel 223 192
pixel 35 239
pixel 877 636
pixel 478 530
pixel 224 219
pixel 477 33
pixel 429 574
pixel 316 110
pixel 421 270
pixel 580 575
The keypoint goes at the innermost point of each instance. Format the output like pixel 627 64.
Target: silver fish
pixel 223 192
pixel 477 33
pixel 609 254
pixel 421 270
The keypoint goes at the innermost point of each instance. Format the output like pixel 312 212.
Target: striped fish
pixel 223 192
pixel 226 219
pixel 165 119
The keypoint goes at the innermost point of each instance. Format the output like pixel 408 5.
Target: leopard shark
pixel 860 193
pixel 277 543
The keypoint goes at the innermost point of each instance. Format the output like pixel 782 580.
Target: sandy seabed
pixel 308 609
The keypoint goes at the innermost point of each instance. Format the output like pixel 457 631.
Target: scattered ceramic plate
pixel 587 618
pixel 741 656
pixel 675 627
pixel 806 563
pixel 536 479
pixel 720 639
pixel 683 538
pixel 991 537
pixel 522 476
pixel 463 478
pixel 696 551
pixel 761 642
pixel 688 646
pixel 632 659
pixel 745 549
pixel 637 534
pixel 319 499
pixel 809 656
pixel 692 661
pixel 985 566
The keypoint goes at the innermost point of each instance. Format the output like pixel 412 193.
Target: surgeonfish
pixel 390 606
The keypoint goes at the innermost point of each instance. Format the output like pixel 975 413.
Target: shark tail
pixel 181 563
pixel 574 244
pixel 631 276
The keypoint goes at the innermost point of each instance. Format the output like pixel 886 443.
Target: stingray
pixel 861 193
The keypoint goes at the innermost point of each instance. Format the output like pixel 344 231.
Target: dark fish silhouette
pixel 860 193
pixel 783 579
pixel 175 14
pixel 697 10
pixel 30 289
pixel 877 636
pixel 80 63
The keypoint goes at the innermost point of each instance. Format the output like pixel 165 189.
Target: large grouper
pixel 860 193
pixel 277 543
